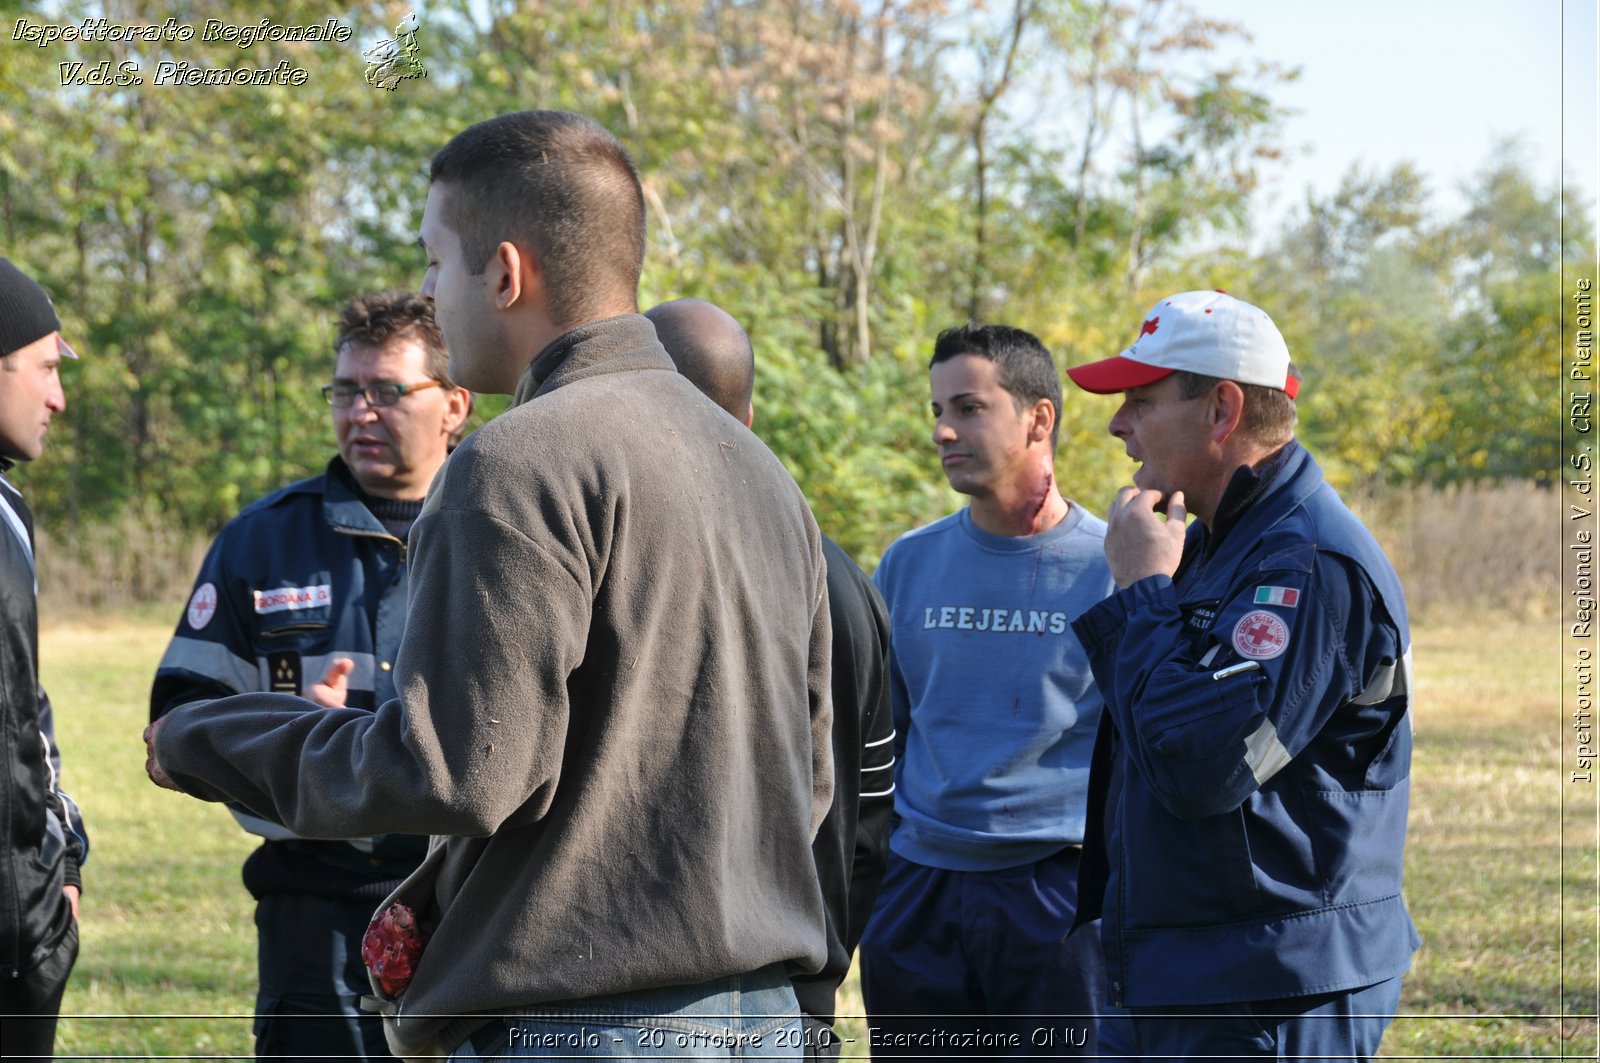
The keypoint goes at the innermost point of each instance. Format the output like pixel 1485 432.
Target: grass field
pixel 1494 878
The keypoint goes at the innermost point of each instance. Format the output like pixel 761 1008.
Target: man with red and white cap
pixel 39 881
pixel 1249 788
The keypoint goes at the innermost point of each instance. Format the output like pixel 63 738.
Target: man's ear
pixel 1044 421
pixel 1225 410
pixel 458 409
pixel 750 415
pixel 513 276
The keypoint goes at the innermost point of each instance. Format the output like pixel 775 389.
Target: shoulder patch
pixel 1284 596
pixel 1260 636
pixel 202 606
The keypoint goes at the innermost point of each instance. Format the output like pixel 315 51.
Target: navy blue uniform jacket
pixel 1246 827
pixel 298 578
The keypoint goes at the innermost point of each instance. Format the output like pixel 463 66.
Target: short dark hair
pixel 561 185
pixel 374 319
pixel 1269 413
pixel 1023 364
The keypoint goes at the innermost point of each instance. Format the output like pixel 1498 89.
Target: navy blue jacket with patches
pixel 1246 825
pixel 298 578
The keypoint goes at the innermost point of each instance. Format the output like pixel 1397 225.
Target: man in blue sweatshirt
pixel 996 711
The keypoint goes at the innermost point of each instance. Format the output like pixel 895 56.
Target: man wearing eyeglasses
pixel 310 575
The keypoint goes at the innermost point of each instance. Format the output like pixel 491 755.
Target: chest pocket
pixel 292 633
pixel 281 652
pixel 293 614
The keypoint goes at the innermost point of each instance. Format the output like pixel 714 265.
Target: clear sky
pixel 1432 81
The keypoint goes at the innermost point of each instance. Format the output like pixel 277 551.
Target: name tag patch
pixel 280 599
pixel 1260 636
pixel 1200 617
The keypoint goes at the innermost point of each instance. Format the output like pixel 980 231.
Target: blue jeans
pixel 1345 1026
pixel 752 1016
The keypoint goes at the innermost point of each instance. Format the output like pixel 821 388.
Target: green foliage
pixel 811 166
pixel 1431 345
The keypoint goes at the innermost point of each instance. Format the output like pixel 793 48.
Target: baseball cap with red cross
pixel 1210 333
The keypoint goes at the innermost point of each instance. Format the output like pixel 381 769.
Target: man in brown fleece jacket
pixel 613 709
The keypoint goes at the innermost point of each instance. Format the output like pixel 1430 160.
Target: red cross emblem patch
pixel 202 606
pixel 1260 636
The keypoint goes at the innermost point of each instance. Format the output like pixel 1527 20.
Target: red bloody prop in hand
pixel 392 946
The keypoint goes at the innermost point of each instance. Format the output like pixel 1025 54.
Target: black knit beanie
pixel 26 313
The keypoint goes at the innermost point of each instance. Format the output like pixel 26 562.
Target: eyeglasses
pixel 343 396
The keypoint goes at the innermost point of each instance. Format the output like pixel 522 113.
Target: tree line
pixel 847 177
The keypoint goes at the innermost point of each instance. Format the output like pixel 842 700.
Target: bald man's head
pixel 711 349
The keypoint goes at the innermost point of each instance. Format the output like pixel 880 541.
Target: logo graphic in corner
pixel 1149 327
pixel 202 606
pixel 397 59
pixel 1260 636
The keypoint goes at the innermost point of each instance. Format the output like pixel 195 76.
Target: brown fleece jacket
pixel 613 704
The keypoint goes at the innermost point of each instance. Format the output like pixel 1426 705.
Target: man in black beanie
pixel 39 883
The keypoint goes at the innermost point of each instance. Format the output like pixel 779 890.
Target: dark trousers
pixel 1344 1026
pixel 312 979
pixel 33 1002
pixel 978 963
pixel 821 1040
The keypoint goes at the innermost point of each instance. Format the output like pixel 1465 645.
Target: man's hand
pixel 152 768
pixel 1139 542
pixel 330 693
pixel 73 894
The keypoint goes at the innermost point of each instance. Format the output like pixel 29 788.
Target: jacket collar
pixel 1257 497
pixel 342 507
pixel 613 345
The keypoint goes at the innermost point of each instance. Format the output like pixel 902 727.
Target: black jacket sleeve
pixel 851 848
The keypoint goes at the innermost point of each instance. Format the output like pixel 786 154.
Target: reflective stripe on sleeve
pixel 363 677
pixel 875 769
pixel 263 828
pixel 1264 753
pixel 213 661
pixel 1392 680
pixel 277 832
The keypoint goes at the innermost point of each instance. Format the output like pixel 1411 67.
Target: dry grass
pixel 138 559
pixel 1494 871
pixel 1472 547
pixel 1492 548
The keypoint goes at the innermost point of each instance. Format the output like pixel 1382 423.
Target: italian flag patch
pixel 1286 596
